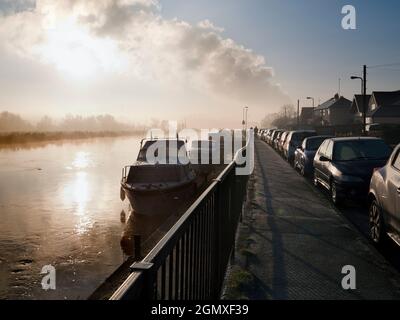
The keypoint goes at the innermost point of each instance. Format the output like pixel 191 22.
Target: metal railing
pixel 190 261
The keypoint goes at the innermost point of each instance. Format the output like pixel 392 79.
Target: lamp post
pixel 364 95
pixel 247 108
pixel 313 101
pixel 244 121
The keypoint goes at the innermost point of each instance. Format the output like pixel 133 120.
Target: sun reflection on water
pixel 77 193
pixel 82 160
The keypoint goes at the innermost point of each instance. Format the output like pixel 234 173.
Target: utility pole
pixel 247 108
pixel 243 122
pixel 298 114
pixel 365 100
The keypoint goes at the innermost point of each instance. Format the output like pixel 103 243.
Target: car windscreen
pixel 315 143
pixel 361 150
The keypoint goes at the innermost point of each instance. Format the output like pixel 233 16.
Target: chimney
pixel 336 97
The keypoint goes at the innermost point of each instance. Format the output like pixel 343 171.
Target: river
pixel 60 206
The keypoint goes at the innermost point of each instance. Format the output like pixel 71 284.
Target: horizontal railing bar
pixel 122 292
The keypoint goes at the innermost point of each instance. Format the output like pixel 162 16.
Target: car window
pixel 322 148
pixel 298 137
pixel 396 162
pixel 314 143
pixel 304 144
pixel 361 150
pixel 289 137
pixel 329 150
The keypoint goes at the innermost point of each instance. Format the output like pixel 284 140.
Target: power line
pixel 384 65
pixel 390 69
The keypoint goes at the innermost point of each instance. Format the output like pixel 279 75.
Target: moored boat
pixel 154 188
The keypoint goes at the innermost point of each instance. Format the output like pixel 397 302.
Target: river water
pixel 60 206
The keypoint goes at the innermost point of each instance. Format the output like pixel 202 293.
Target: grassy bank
pixel 34 137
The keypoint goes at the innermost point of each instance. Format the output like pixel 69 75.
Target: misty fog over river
pixel 60 206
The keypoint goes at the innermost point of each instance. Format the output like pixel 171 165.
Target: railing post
pixel 149 279
pixel 217 242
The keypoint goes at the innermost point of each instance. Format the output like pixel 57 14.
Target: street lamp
pixel 362 81
pixel 313 101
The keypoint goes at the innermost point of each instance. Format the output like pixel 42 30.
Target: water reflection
pixel 76 196
pixel 148 228
pixel 67 215
pixel 82 160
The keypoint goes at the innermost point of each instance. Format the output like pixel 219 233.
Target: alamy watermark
pixel 49 280
pixel 349 21
pixel 349 280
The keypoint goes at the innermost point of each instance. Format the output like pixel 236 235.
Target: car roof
pixel 354 139
pixel 303 131
pixel 320 137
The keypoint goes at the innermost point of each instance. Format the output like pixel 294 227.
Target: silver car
pixel 384 200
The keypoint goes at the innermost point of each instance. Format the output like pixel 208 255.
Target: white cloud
pixel 132 37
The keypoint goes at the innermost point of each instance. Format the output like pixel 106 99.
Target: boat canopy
pixel 158 174
pixel 165 151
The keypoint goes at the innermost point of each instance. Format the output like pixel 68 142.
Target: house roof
pixel 387 98
pixel 336 101
pixel 357 104
pixel 387 104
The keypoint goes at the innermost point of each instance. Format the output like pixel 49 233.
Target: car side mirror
pixel 323 159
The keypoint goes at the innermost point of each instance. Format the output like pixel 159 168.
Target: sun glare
pixel 77 53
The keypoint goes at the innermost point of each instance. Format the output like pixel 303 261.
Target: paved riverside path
pixel 293 243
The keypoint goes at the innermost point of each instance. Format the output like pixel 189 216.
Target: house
pixel 306 116
pixel 357 107
pixel 384 108
pixel 335 111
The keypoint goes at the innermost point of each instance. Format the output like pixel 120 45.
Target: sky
pixel 198 61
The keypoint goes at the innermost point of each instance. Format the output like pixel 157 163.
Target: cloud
pixel 13 6
pixel 154 49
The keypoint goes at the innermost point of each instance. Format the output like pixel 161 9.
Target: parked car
pixel 384 200
pixel 273 137
pixel 293 141
pixel 269 136
pixel 282 140
pixel 344 166
pixel 304 155
pixel 266 134
pixel 276 140
pixel 263 133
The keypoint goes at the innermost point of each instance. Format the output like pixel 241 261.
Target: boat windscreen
pixel 156 174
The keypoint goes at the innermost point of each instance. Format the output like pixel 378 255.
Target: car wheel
pixel 335 196
pixel 376 224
